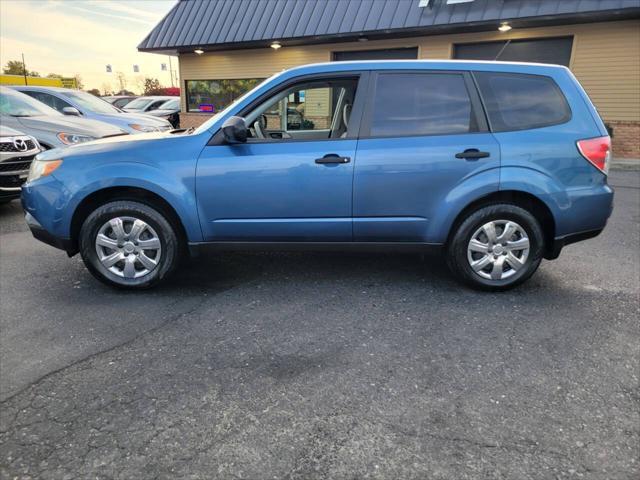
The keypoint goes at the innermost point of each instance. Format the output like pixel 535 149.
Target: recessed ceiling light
pixel 276 45
pixel 199 51
pixel 504 27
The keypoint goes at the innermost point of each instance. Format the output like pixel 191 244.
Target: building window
pixel 421 104
pixel 539 50
pixel 212 96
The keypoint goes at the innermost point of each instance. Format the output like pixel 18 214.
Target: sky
pixel 72 37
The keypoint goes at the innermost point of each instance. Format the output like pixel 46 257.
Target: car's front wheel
pixel 129 244
pixel 496 247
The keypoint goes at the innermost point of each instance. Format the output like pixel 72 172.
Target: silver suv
pixel 16 152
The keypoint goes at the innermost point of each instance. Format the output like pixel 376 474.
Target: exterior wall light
pixel 276 45
pixel 504 27
pixel 199 51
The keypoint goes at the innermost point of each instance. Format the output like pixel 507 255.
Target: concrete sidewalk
pixel 625 164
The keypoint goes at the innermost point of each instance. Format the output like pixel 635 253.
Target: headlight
pixel 143 128
pixel 42 168
pixel 74 139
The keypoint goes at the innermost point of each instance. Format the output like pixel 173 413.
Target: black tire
pixel 169 252
pixel 457 255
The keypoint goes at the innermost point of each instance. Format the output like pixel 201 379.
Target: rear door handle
pixel 333 158
pixel 472 154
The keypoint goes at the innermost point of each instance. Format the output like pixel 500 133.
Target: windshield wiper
pixel 182 130
pixel 115 135
pixel 23 115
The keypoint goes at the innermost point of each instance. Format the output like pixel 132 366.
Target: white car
pixel 146 104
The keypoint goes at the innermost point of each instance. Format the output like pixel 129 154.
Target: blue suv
pixel 496 165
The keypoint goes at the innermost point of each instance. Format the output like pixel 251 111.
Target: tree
pixel 94 91
pixel 16 67
pixel 152 86
pixel 79 84
pixel 54 75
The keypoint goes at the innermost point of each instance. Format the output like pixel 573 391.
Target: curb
pixel 631 164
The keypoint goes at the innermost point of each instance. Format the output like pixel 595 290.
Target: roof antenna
pixel 502 49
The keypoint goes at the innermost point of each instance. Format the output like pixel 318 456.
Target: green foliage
pixel 16 67
pixel 152 86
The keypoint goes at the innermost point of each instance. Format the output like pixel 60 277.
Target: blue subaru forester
pixel 496 165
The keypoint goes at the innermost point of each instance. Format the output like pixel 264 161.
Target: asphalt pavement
pixel 323 366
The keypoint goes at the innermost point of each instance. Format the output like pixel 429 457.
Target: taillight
pixel 597 151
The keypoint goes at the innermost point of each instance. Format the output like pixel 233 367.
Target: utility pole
pixel 24 69
pixel 171 71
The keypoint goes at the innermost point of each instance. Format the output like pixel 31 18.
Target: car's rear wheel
pixel 496 247
pixel 129 244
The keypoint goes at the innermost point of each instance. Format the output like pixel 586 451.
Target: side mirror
pixel 71 111
pixel 235 130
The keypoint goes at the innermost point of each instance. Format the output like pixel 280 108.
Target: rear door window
pixel 421 104
pixel 518 101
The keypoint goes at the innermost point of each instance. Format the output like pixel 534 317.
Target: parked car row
pixel 35 118
pixel 83 104
pixel 163 106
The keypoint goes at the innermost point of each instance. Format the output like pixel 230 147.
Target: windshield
pixel 170 104
pixel 138 103
pixel 90 102
pixel 18 104
pixel 207 125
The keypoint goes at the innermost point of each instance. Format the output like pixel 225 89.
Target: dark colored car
pixel 169 110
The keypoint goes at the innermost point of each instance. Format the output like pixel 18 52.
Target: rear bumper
pixel 588 216
pixel 559 243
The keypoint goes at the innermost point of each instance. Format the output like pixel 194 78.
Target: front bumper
pixel 41 234
pixel 46 206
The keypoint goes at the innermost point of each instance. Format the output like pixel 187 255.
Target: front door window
pixel 316 110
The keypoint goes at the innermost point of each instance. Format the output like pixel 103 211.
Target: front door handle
pixel 472 154
pixel 333 158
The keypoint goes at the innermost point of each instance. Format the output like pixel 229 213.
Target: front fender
pixel 175 187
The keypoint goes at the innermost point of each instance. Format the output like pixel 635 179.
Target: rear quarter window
pixel 520 101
